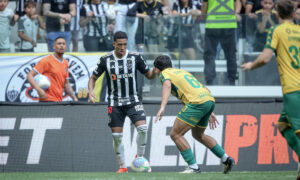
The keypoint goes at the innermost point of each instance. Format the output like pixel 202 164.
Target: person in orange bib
pixel 56 68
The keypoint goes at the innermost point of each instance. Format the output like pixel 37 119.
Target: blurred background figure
pixel 28 28
pixel 94 19
pixel 58 17
pixel 220 27
pixel 7 19
pixel 150 22
pixel 266 18
pixel 187 11
pixel 75 27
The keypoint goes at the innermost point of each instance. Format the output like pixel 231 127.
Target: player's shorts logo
pixel 19 90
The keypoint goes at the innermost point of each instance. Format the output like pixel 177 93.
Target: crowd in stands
pixel 147 22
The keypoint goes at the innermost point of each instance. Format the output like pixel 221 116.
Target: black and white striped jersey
pixel 97 26
pixel 193 4
pixel 121 75
pixel 74 24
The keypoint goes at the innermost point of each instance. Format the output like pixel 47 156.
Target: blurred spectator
pixel 266 18
pixel 7 18
pixel 28 27
pixel 220 27
pixel 59 14
pixel 20 9
pixel 75 27
pixel 149 26
pixel 95 23
pixel 127 21
pixel 297 6
pixel 112 10
pixel 251 7
pixel 187 12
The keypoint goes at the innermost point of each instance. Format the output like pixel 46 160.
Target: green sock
pixel 292 140
pixel 188 156
pixel 218 150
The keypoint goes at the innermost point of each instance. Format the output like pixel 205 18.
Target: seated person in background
pixel 266 18
pixel 28 27
pixel 150 11
pixel 7 19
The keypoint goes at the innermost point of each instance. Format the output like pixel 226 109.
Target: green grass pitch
pixel 274 175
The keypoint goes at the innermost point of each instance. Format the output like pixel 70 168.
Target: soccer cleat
pixel 228 164
pixel 189 170
pixel 122 170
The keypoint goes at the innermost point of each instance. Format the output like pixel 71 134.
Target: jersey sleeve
pixel 164 76
pixel 41 66
pixel 272 39
pixel 142 65
pixel 100 67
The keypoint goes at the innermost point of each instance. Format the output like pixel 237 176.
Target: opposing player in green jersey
pixel 195 116
pixel 284 40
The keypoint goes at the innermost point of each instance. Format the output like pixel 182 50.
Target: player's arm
pixel 69 90
pixel 261 60
pixel 91 85
pixel 166 91
pixel 150 74
pixel 30 77
pixel 101 67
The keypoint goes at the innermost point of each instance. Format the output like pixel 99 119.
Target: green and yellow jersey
pixel 185 86
pixel 284 40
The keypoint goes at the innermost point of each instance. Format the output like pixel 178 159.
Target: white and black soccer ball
pixel 43 81
pixel 140 164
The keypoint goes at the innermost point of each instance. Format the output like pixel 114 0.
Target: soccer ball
pixel 140 164
pixel 43 81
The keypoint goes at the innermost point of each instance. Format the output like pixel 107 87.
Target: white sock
pixel 119 148
pixel 194 166
pixel 224 157
pixel 141 139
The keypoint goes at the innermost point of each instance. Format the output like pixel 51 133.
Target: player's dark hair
pixel 120 35
pixel 285 9
pixel 162 62
pixel 29 3
pixel 59 37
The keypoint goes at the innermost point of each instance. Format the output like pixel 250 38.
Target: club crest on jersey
pixel 18 89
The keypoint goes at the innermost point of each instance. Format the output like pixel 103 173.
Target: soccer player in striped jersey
pixel 284 40
pixel 195 116
pixel 120 67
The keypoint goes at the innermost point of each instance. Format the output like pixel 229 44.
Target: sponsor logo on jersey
pixel 121 76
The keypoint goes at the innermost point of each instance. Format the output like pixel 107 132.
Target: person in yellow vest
pixel 220 28
pixel 284 40
pixel 196 115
